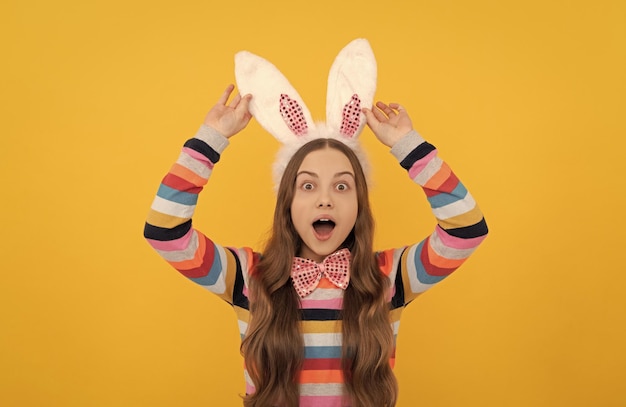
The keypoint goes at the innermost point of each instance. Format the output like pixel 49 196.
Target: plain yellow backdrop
pixel 525 100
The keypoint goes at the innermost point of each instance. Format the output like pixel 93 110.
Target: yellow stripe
pixel 242 314
pixel 231 271
pixel 321 327
pixel 164 221
pixel 394 315
pixel 466 219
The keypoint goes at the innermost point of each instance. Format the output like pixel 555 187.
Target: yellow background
pixel 525 100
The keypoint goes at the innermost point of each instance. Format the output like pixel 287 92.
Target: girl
pixel 318 310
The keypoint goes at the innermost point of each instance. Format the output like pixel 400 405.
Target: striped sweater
pixel 225 271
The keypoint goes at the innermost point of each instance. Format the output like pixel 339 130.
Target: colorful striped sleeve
pixel 460 228
pixel 168 227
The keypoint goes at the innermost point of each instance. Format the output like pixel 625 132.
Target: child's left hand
pixel 388 122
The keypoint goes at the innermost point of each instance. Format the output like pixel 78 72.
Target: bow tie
pixel 306 274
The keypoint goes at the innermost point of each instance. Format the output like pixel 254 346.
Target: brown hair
pixel 273 348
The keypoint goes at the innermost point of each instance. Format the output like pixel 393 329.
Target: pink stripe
pixel 172 245
pixel 326 401
pixel 457 242
pixel 336 303
pixel 250 388
pixel 196 155
pixel 419 165
pixel 392 292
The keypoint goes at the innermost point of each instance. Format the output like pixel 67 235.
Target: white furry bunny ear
pixel 275 104
pixel 351 86
pixel 278 107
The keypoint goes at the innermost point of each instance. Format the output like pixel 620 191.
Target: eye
pixel 342 186
pixel 307 186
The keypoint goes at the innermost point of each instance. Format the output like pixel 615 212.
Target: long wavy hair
pixel 273 347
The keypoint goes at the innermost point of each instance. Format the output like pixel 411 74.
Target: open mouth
pixel 323 227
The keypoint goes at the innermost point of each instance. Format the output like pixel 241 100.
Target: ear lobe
pixel 257 76
pixel 353 73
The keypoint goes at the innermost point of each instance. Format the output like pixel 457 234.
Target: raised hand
pixel 229 118
pixel 388 122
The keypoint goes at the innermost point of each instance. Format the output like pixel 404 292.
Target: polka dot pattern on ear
pixel 351 117
pixel 293 115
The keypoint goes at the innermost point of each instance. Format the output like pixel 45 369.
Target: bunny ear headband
pixel 278 107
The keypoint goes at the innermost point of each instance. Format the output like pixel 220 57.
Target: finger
pixel 388 111
pixel 224 98
pixel 233 103
pixel 372 121
pixel 401 110
pixel 381 105
pixel 244 103
pixel 379 115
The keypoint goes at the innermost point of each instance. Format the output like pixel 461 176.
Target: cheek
pixel 297 213
pixel 296 207
pixel 351 208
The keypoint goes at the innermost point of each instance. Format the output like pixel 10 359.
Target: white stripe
pixel 427 173
pixel 243 261
pixel 325 294
pixel 448 252
pixel 416 285
pixel 198 167
pixel 187 253
pixel 322 339
pixel 324 389
pixel 456 208
pixel 243 326
pixel 248 378
pixel 172 208
pixel 396 327
pixel 212 137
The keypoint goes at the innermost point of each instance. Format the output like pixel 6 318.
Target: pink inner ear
pixel 293 115
pixel 351 117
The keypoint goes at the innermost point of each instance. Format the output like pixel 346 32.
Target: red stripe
pixel 178 183
pixel 322 364
pixel 256 258
pixel 207 261
pixel 430 268
pixel 447 187
pixel 382 260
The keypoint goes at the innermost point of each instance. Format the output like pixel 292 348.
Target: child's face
pixel 324 206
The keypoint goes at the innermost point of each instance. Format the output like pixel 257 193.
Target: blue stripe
pixel 322 352
pixel 174 195
pixel 422 276
pixel 214 272
pixel 444 199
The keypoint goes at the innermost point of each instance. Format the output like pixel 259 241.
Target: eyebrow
pixel 312 174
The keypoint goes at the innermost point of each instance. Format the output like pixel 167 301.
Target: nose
pixel 324 201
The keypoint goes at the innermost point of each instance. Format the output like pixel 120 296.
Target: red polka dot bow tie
pixel 306 274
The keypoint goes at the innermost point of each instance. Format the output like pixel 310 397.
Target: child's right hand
pixel 229 119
